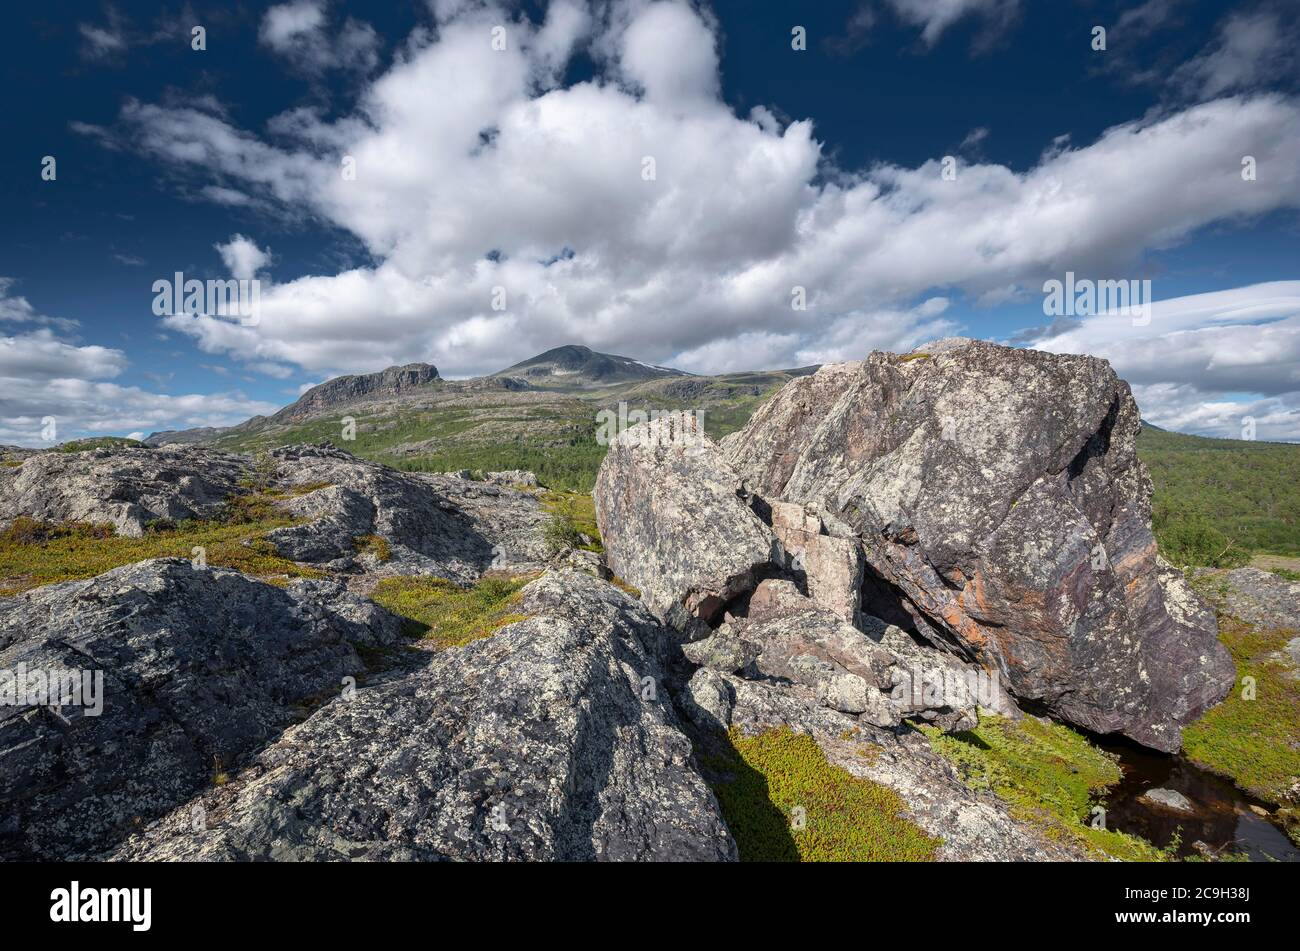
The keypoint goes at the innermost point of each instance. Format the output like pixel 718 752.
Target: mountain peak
pixel 576 365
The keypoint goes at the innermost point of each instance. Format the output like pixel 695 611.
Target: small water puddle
pixel 1223 819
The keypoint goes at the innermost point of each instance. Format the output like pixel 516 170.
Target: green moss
pixel 446 613
pixel 1049 775
pixel 908 357
pixel 1255 741
pixel 373 545
pixel 768 785
pixel 38 553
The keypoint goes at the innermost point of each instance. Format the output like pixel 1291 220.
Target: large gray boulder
pixel 429 524
pixel 551 740
pixel 674 524
pixel 125 488
pixel 198 667
pixel 1002 508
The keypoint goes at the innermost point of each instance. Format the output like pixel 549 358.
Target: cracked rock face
pixel 554 739
pixel 198 666
pixel 125 488
pixel 431 524
pixel 1001 505
pixel 674 524
pixel 788 637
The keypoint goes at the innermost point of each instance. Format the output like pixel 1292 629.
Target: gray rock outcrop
pixel 343 390
pixel 430 524
pixel 198 667
pixel 551 740
pixel 1002 508
pixel 125 488
pixel 674 524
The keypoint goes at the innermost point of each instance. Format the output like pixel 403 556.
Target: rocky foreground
pixel 897 543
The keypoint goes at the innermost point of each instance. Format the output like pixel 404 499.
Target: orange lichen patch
pixel 965 627
pixel 975 591
pixel 1134 562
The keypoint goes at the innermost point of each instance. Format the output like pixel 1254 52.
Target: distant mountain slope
pixel 343 390
pixel 573 366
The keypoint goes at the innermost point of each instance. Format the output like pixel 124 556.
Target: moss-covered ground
pixel 449 615
pixel 784 802
pixel 1049 775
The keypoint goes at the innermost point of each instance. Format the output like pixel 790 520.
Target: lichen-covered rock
pixel 831 563
pixel 673 523
pixel 1001 504
pixel 783 636
pixel 551 740
pixel 1256 596
pixel 429 524
pixel 198 667
pixel 125 488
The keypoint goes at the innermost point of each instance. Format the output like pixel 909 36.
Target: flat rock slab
pixel 125 488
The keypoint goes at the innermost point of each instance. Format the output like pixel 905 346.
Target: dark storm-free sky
pixel 522 168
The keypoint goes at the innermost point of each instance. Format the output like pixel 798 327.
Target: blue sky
pixel 522 169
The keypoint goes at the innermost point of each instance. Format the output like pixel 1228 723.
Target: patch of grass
pixel 374 545
pixel 446 613
pixel 571 513
pixel 626 588
pixel 11 463
pixel 1253 738
pixel 1049 775
pixel 38 553
pixel 1286 574
pixel 249 508
pixel 908 357
pixel 771 784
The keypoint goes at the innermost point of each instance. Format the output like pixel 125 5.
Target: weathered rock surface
pixel 547 740
pixel 825 552
pixel 796 640
pixel 1170 799
pixel 673 523
pixel 1258 597
pixel 125 488
pixel 431 524
pixel 1001 505
pixel 199 667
